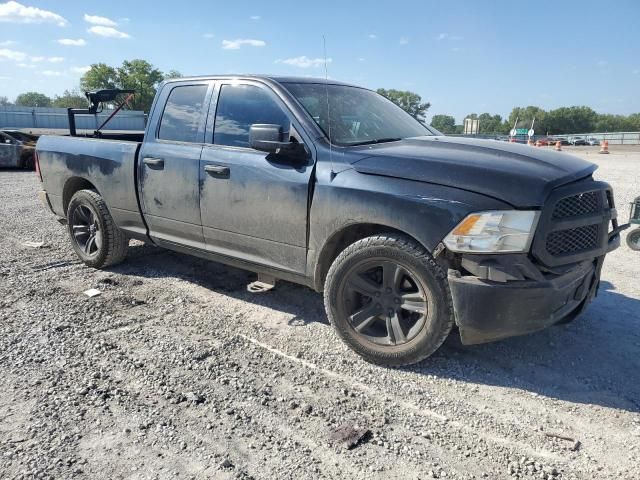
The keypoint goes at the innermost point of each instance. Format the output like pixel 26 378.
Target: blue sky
pixel 462 56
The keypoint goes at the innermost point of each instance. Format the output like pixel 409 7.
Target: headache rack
pixel 95 100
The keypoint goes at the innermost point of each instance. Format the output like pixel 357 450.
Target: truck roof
pixel 273 78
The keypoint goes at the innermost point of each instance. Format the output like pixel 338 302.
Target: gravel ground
pixel 175 371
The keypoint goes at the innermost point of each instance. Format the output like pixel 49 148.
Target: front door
pixel 169 164
pixel 253 205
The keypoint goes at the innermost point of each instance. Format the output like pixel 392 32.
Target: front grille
pixel 573 240
pixel 574 223
pixel 576 205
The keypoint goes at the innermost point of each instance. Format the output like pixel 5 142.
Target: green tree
pixel 571 120
pixel 33 99
pixel 100 76
pixel 634 122
pixel 172 74
pixel 70 99
pixel 137 74
pixel 410 102
pixel 525 115
pixel 488 123
pixel 141 76
pixel 4 101
pixel 444 123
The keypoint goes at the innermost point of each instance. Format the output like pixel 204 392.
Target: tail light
pixel 37 162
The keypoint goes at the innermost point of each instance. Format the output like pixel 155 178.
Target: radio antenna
pixel 326 88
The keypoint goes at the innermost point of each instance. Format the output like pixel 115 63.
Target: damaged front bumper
pixel 509 296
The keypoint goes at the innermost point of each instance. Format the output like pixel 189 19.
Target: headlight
pixel 494 232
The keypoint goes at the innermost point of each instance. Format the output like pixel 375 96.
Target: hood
pixel 520 175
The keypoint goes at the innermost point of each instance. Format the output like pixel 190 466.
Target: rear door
pixel 253 205
pixel 169 163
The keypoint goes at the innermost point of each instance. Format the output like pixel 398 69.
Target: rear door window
pixel 239 107
pixel 183 114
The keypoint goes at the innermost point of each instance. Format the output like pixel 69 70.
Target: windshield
pixel 357 116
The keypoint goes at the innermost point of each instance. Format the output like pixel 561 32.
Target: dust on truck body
pixel 406 231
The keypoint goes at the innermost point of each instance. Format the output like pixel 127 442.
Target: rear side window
pixel 183 114
pixel 239 107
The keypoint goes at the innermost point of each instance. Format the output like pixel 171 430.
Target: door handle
pixel 217 170
pixel 154 162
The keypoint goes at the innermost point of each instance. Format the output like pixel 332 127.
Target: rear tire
pixel 389 300
pixel 95 237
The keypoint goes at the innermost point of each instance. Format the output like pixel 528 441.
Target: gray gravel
pixel 175 371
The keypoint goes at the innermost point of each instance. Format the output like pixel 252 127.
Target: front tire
pixel 94 235
pixel 633 239
pixel 389 300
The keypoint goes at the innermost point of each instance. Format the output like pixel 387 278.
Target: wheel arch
pixel 73 185
pixel 344 237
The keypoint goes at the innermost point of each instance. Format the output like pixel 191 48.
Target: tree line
pixel 563 120
pixel 138 75
pixel 144 78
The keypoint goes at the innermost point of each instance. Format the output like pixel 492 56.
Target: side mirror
pixel 267 137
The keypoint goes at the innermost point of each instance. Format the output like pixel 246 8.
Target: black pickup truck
pixel 407 232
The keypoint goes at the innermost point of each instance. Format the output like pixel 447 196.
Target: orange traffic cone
pixel 558 146
pixel 604 147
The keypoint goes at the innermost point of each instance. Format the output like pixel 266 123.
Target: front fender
pixel 426 212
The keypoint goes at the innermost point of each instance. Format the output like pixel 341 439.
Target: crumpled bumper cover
pixel 487 310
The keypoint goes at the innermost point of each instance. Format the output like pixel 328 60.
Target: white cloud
pixel 15 12
pixel 47 59
pixel 8 43
pixel 5 78
pixel 108 32
pixel 236 44
pixel 372 36
pixel 404 40
pixel 80 70
pixel 98 20
pixel 304 61
pixel 26 65
pixel 80 42
pixel 361 59
pixel 446 36
pixel 255 17
pixel 208 35
pixel 51 73
pixel 7 54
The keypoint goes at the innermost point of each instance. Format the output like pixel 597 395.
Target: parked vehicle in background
pixel 546 141
pixel 407 232
pixel 633 237
pixel 575 141
pixel 502 138
pixel 17 149
pixel 592 141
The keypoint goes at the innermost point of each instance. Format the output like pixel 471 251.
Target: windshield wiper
pixel 377 140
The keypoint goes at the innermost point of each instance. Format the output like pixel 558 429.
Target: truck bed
pixel 109 165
